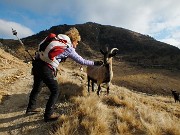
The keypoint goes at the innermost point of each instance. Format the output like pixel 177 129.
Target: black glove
pixel 63 59
pixel 98 63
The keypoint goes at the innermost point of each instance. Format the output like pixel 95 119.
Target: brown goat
pixel 102 74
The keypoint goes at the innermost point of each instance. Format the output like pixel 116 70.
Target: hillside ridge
pixel 134 47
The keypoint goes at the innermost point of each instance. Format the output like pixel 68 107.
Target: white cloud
pixel 159 19
pixel 172 41
pixel 146 17
pixel 6 29
pixel 173 38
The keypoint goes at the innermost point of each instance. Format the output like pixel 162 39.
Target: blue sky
pixel 159 19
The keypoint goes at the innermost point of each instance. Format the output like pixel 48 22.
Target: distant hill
pixel 134 47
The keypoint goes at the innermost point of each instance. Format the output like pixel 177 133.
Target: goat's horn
pixel 107 49
pixel 113 49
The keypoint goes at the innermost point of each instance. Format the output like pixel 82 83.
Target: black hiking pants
pixel 43 73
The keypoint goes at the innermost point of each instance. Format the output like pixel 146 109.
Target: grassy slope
pixel 122 112
pixel 151 81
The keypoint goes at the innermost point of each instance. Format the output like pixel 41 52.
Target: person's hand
pixel 98 63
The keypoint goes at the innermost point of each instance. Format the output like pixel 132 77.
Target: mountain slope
pixel 140 49
pixel 142 64
pixel 122 112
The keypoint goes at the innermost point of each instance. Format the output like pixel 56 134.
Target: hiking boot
pixel 53 117
pixel 33 111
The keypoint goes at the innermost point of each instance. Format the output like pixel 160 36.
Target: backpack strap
pixel 46 41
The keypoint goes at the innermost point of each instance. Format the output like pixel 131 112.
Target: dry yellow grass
pixel 3 94
pixel 122 112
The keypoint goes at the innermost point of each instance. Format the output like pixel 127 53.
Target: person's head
pixel 74 36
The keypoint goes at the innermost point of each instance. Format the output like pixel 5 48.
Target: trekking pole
pixel 15 34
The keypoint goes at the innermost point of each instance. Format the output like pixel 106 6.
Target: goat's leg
pixel 99 89
pixel 108 85
pixel 92 84
pixel 88 83
pixel 108 90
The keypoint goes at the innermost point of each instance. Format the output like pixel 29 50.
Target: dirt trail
pixel 15 85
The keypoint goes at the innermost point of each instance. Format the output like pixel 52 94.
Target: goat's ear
pixel 102 51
